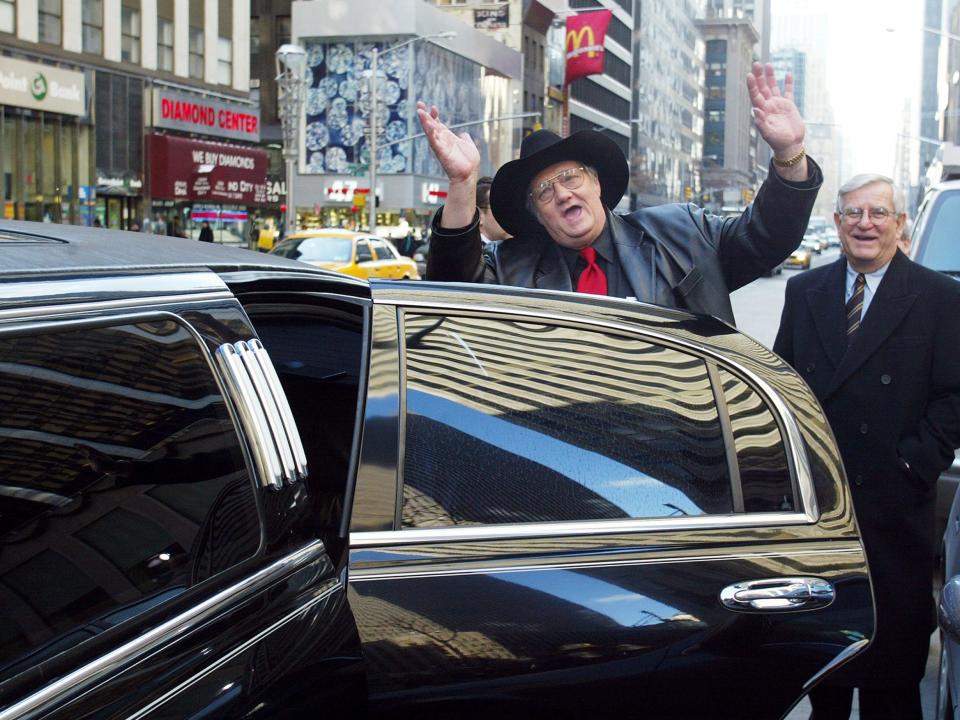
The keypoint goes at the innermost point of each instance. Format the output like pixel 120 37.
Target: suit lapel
pixel 827 310
pixel 889 306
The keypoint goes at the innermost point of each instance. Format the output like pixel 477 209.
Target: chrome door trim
pixel 252 416
pixel 138 303
pixel 576 528
pixel 292 434
pixel 360 574
pixel 330 587
pixel 32 297
pixel 798 459
pixel 61 689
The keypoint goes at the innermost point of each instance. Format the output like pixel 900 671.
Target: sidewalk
pixel 928 688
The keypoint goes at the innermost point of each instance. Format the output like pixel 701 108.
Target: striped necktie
pixel 855 307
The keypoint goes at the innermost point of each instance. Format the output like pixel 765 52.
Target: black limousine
pixel 234 486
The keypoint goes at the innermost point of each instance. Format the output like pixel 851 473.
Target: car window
pixel 363 251
pixel 515 422
pixel 316 249
pixel 939 249
pixel 122 481
pixel 383 249
pixel 761 455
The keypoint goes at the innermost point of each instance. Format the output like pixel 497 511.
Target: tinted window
pixel 122 482
pixel 383 249
pixel 761 456
pixel 940 249
pixel 363 252
pixel 316 351
pixel 520 422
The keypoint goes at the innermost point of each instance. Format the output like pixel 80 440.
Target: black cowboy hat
pixel 541 149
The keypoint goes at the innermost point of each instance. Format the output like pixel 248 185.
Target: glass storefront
pixel 45 163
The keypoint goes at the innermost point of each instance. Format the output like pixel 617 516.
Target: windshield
pixel 317 249
pixel 939 248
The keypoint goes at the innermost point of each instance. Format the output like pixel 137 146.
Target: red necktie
pixel 592 280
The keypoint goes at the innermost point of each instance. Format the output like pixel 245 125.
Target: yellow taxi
pixel 351 253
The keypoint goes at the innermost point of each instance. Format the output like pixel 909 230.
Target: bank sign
pixel 196 114
pixel 42 87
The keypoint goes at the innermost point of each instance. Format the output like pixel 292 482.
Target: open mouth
pixel 572 213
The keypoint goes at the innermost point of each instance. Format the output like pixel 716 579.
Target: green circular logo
pixel 39 87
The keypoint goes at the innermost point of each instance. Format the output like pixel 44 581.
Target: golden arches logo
pixel 575 44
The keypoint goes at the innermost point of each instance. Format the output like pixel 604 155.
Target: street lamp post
pixel 291 62
pixel 374 109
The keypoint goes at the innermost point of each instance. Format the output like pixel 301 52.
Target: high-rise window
pixel 50 21
pixel 196 53
pixel 164 44
pixel 224 61
pixel 8 16
pixel 92 19
pixel 130 34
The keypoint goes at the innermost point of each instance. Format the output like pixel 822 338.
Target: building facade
pixel 797 28
pixel 730 165
pixel 605 102
pixel 88 92
pixel 669 100
pixel 470 78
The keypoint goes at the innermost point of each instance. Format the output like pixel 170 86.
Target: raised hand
pixel 460 159
pixel 457 153
pixel 776 114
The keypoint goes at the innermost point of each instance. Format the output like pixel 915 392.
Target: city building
pixel 113 111
pixel 667 148
pixel 797 28
pixel 731 170
pixel 522 25
pixel 949 74
pixel 794 62
pixel 929 76
pixel 604 102
pixel 471 79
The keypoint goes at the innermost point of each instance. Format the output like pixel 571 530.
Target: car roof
pixel 329 232
pixel 944 185
pixel 32 248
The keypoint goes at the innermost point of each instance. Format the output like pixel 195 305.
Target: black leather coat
pixel 693 259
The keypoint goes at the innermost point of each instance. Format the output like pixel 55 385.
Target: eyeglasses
pixel 877 215
pixel 571 179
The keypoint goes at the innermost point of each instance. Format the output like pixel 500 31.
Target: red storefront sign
pixel 184 169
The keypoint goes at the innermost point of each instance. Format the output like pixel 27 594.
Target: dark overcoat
pixel 893 402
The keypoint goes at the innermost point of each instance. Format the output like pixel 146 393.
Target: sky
pixel 872 61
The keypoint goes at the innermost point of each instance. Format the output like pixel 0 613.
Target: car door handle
pixel 784 594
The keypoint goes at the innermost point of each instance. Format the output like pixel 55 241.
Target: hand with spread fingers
pixel 778 121
pixel 460 159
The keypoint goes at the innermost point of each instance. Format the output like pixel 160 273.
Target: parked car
pixel 948 686
pixel 801 258
pixel 348 252
pixel 934 244
pixel 240 486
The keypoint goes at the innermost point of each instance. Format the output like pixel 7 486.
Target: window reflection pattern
pixel 122 482
pixel 517 422
pixel 761 456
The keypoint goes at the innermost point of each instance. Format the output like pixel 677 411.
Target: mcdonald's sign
pixel 584 45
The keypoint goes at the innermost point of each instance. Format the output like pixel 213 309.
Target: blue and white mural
pixel 338 107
